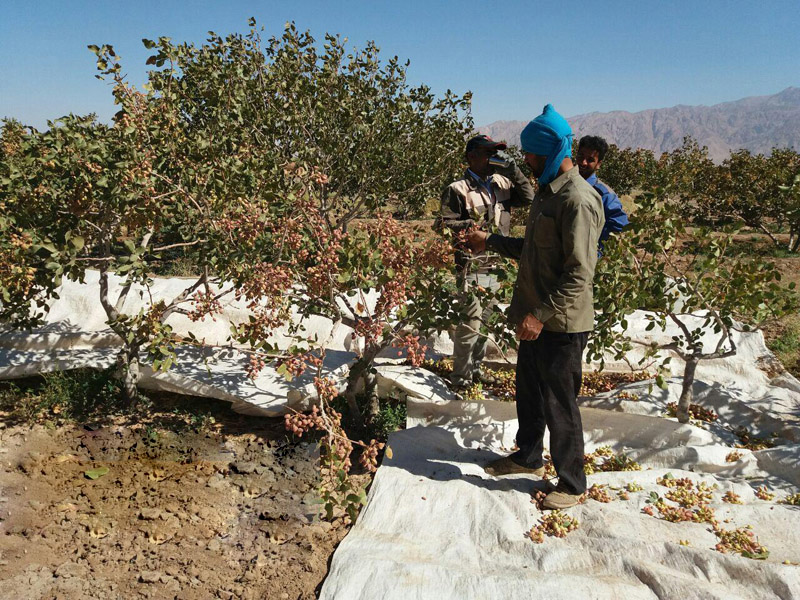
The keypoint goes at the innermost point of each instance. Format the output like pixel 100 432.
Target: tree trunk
pixel 129 372
pixel 794 239
pixel 764 228
pixel 362 371
pixel 686 393
pixel 371 390
pixel 353 377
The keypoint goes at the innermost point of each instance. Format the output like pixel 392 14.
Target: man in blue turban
pixel 548 136
pixel 552 307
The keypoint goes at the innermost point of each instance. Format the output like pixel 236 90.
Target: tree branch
pixel 180 245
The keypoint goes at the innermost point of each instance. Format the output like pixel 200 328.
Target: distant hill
pixel 758 124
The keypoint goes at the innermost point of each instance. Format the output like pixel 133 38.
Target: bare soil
pixel 226 511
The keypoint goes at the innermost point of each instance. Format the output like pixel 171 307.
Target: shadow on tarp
pixel 15 364
pixel 487 424
pixel 61 335
pixel 411 452
pixel 197 371
pixel 491 425
pixel 775 411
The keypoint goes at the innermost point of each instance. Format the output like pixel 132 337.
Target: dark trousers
pixel 548 383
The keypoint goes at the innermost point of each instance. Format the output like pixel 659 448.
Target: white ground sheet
pixel 437 527
pixel 75 335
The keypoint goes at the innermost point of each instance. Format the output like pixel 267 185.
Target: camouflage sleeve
pixel 453 214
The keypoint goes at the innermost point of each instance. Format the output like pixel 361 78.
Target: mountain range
pixel 757 123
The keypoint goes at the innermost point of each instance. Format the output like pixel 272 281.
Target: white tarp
pixel 437 527
pixel 75 335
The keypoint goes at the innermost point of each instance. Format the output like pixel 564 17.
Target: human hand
pixel 530 328
pixel 476 240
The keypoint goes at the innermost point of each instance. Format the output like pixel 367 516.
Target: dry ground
pixel 224 511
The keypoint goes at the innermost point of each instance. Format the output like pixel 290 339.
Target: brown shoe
pixel 506 466
pixel 559 499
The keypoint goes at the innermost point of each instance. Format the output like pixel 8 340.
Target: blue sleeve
pixel 615 215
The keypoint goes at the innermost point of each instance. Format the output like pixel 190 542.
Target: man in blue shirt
pixel 591 152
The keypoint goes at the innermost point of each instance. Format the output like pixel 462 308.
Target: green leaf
pixel 96 473
pixel 760 556
pixel 284 370
pixel 77 242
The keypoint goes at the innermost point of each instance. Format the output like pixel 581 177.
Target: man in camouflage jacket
pixel 483 197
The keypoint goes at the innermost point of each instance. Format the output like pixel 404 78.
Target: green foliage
pixel 341 493
pixel 345 111
pixel 790 202
pixel 230 148
pixel 391 417
pixel 754 187
pixel 752 246
pixel 786 346
pixel 686 176
pixel 757 190
pixel 642 269
pixel 65 395
pixel 788 342
pixel 627 170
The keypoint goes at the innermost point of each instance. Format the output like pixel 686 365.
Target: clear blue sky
pixel 514 55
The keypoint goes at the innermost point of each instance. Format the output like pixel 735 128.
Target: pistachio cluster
pixel 553 524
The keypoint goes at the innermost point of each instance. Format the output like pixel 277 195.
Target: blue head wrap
pixel 548 135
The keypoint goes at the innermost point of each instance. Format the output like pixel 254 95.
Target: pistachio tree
pixel 791 202
pixel 748 190
pixel 706 295
pixel 629 169
pixel 257 161
pixel 273 168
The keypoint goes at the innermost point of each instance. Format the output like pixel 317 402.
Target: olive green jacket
pixel 557 256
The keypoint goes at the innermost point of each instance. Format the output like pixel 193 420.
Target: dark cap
pixel 484 141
